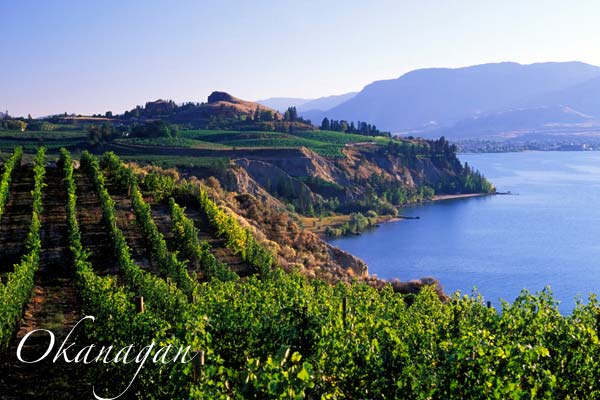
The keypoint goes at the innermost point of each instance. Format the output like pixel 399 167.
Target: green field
pixel 172 142
pixel 325 143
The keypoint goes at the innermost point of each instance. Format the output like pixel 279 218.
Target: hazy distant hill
pixel 282 103
pixel 306 105
pixel 430 98
pixel 584 97
pixel 515 123
pixel 326 103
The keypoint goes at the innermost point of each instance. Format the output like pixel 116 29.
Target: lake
pixel 546 234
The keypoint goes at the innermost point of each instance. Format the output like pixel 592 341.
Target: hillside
pixel 440 97
pixel 583 97
pixel 175 262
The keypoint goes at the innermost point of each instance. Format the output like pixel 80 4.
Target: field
pixel 95 239
pixel 325 143
pixel 30 141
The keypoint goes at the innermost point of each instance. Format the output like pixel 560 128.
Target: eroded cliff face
pixel 296 248
pixel 349 176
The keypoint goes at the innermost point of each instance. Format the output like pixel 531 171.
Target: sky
pixel 90 57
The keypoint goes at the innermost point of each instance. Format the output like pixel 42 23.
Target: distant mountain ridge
pixel 436 98
pixel 515 123
pixel 306 105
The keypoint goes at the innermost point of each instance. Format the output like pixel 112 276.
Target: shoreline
pixel 382 219
pixel 443 197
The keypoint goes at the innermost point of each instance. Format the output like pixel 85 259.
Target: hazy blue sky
pixel 76 56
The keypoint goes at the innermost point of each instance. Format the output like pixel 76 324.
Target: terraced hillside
pixel 51 289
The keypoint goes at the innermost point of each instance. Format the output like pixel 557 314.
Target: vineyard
pixel 159 260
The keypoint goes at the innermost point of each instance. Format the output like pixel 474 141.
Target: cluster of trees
pixel 399 196
pixel 361 128
pixel 153 129
pixel 293 192
pixel 442 154
pixel 357 223
pixel 105 133
pixel 291 115
pixel 101 134
pixel 12 124
pixel 261 115
pixel 468 181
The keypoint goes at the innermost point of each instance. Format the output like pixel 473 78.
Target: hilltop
pixel 221 110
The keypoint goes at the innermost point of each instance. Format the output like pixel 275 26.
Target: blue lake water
pixel 548 234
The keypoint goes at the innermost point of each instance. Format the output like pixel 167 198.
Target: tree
pixel 325 126
pixel 266 115
pixel 291 114
pixel 16 125
pixel 343 126
pixel 108 114
pixel 154 129
pixel 101 134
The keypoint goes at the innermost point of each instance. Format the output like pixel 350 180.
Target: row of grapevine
pixel 15 293
pixel 190 246
pixel 9 167
pixel 188 326
pixel 164 297
pixel 255 375
pixel 239 239
pixel 116 321
pixel 169 265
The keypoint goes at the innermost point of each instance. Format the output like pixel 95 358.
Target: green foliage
pixel 325 143
pixel 357 223
pixel 13 124
pixel 361 128
pixel 288 337
pixel 170 266
pixel 165 298
pixel 9 167
pixel 16 291
pixel 190 247
pixel 101 134
pixel 154 129
pixel 117 323
pixel 239 239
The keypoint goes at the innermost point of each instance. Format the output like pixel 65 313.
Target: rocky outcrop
pixel 222 103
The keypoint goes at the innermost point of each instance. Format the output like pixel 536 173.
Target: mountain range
pixel 500 99
pixel 306 105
